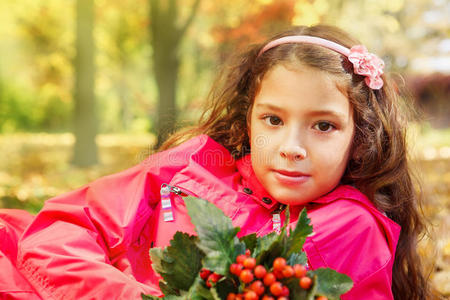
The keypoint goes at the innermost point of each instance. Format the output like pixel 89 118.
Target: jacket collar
pixel 249 181
pixel 252 186
pixel 206 159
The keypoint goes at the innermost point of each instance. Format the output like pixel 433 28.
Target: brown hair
pixel 378 166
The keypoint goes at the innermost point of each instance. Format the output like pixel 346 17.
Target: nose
pixel 292 149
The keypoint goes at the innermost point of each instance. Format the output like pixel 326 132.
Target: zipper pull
pixel 166 204
pixel 276 223
pixel 174 189
pixel 276 218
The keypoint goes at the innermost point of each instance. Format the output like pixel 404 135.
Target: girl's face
pixel 301 131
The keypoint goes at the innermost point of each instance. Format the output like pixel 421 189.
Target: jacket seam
pixel 16 291
pixel 40 282
pixel 376 271
pixel 319 253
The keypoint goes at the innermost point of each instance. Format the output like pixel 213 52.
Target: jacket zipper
pixel 168 216
pixel 174 189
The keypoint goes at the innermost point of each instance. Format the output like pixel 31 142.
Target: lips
pixel 290 173
pixel 287 177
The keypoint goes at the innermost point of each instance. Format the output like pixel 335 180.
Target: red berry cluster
pixel 260 283
pixel 209 277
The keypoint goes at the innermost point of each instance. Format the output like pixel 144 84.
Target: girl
pixel 307 119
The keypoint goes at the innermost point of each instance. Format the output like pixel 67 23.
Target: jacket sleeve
pixel 351 240
pixel 69 250
pixel 12 284
pixel 375 286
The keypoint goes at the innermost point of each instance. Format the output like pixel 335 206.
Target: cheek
pixel 333 153
pixel 342 153
pixel 257 136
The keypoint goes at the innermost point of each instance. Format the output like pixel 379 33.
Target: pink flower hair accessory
pixel 364 63
pixel 367 64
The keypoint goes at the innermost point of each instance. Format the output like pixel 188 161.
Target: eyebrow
pixel 269 106
pixel 312 113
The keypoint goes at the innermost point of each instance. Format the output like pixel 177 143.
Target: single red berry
pixel 212 279
pixel 267 297
pixel 247 252
pixel 288 271
pixel 269 278
pixel 239 297
pixel 279 263
pixel 285 291
pixel 305 282
pixel 236 269
pixel 204 273
pixel 250 295
pixel 231 296
pixel 299 270
pixel 240 258
pixel 209 282
pixel 246 276
pixel 278 274
pixel 258 287
pixel 276 288
pixel 260 271
pixel 249 263
pixel 321 298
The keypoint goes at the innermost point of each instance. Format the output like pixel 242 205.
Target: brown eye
pixel 324 126
pixel 273 120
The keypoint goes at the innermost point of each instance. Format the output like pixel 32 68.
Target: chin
pixel 291 200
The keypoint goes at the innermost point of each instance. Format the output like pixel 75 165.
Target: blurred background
pixel 89 88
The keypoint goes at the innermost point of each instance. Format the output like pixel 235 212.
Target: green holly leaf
pixel 169 297
pixel 297 258
pixel 167 289
pixel 297 237
pixel 178 264
pixel 199 291
pixel 215 294
pixel 312 292
pixel 331 283
pixel 249 241
pixel 217 236
pixel 272 245
pixel 173 297
pixel 296 292
pixel 225 286
pixel 268 247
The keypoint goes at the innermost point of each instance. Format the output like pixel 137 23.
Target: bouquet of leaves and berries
pixel 217 264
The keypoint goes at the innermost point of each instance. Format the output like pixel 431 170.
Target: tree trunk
pixel 166 64
pixel 125 110
pixel 85 117
pixel 166 38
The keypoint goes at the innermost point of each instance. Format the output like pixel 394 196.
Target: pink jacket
pixel 93 243
pixel 12 284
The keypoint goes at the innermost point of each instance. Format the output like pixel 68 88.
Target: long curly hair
pixel 378 165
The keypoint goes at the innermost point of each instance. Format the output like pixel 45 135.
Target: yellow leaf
pixel 446 249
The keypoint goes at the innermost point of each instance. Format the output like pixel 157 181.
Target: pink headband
pixel 364 63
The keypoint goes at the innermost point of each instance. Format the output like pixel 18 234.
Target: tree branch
pixel 190 19
pixel 154 12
